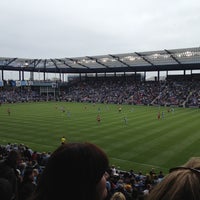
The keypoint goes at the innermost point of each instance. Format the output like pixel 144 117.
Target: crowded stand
pixel 165 93
pixel 113 90
pixel 23 170
pixel 29 164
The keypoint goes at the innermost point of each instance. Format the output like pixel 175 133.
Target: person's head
pixel 74 171
pixel 28 175
pixel 13 158
pixel 35 172
pixel 118 196
pixel 181 183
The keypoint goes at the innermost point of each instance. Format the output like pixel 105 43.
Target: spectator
pixel 8 170
pixel 76 170
pixel 35 175
pixel 27 186
pixel 118 196
pixel 181 183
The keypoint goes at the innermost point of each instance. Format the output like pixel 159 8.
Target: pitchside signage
pixel 29 83
pixel 23 83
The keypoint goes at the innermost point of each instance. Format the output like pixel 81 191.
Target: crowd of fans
pixel 16 94
pixel 118 91
pixel 22 167
pixel 29 175
pixel 176 93
pixel 114 91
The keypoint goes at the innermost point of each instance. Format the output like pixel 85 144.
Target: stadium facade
pixel 133 66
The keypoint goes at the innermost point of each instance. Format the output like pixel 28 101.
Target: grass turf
pixel 144 142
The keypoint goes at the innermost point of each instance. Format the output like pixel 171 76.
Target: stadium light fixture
pixel 25 64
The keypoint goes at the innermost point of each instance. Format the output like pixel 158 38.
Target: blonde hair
pixel 118 196
pixel 181 183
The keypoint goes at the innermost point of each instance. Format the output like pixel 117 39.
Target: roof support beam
pixel 54 62
pixel 172 56
pixel 118 59
pixel 36 63
pixel 44 74
pixel 77 62
pixel 2 74
pixel 98 62
pixel 62 61
pixel 10 61
pixel 145 59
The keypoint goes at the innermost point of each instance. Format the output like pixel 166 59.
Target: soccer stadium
pixel 145 126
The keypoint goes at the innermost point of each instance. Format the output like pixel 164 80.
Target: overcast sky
pixel 73 28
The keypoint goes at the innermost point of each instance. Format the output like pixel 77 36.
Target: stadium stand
pixel 117 91
pixel 176 90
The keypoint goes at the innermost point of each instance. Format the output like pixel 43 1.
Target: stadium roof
pixel 162 60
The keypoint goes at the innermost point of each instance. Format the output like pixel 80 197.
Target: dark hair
pixel 73 171
pixel 12 158
pixel 27 173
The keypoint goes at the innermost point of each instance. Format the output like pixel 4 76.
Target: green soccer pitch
pixel 133 138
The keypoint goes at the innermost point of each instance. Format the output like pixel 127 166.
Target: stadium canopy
pixel 162 60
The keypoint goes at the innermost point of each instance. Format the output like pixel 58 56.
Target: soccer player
pixel 63 140
pixel 98 119
pixel 8 111
pixel 163 115
pixel 125 120
pixel 158 115
pixel 99 109
pixel 68 114
pixel 63 109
